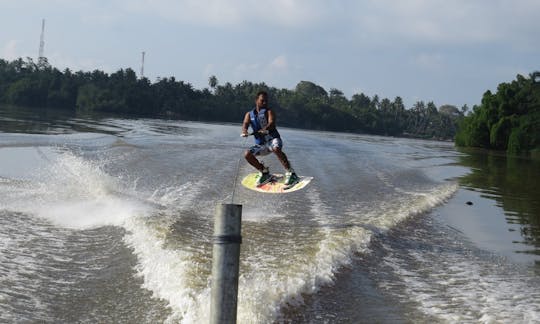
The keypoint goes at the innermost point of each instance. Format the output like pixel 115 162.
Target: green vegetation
pixel 508 120
pixel 26 83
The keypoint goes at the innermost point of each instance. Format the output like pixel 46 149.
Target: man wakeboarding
pixel 267 139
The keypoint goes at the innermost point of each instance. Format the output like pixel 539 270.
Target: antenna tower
pixel 142 66
pixel 42 42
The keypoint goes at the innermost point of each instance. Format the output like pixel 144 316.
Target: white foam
pixel 172 275
pixel 258 215
pixel 165 272
pixel 268 282
pixel 85 214
pixel 71 192
pixel 265 284
pixel 461 290
pixel 74 193
pixel 271 284
pixel 390 212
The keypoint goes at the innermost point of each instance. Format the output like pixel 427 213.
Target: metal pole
pixel 142 65
pixel 225 263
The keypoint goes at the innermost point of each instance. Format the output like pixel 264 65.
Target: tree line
pixel 507 120
pixel 24 82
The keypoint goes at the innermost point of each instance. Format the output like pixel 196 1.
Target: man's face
pixel 261 101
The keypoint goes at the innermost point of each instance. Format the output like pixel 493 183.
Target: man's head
pixel 261 100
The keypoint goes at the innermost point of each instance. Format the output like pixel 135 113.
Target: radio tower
pixel 142 66
pixel 42 58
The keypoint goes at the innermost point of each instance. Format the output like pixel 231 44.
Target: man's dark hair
pixel 264 93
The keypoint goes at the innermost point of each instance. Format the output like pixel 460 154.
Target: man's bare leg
pixel 282 158
pixel 253 161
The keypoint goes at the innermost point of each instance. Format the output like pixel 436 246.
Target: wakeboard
pixel 276 183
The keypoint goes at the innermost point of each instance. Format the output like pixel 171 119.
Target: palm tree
pixel 213 82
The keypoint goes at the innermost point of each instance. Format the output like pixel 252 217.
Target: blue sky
pixel 445 51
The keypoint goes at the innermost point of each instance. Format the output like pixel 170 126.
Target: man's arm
pixel 271 121
pixel 245 124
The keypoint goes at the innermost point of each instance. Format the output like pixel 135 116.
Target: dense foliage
pixel 26 83
pixel 507 120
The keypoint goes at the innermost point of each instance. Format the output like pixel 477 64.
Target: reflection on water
pixel 55 121
pixel 44 121
pixel 514 184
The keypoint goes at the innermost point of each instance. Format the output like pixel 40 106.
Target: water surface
pixel 110 220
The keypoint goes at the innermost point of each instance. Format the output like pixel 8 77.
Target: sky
pixel 445 51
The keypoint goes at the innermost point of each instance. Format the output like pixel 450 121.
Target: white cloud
pixel 433 62
pixel 9 51
pixel 209 70
pixel 279 63
pixel 198 12
pixel 275 68
pixel 61 62
pixel 104 19
pixel 234 12
pixel 246 71
pixel 446 22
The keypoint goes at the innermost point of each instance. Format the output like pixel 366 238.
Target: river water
pixel 110 220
